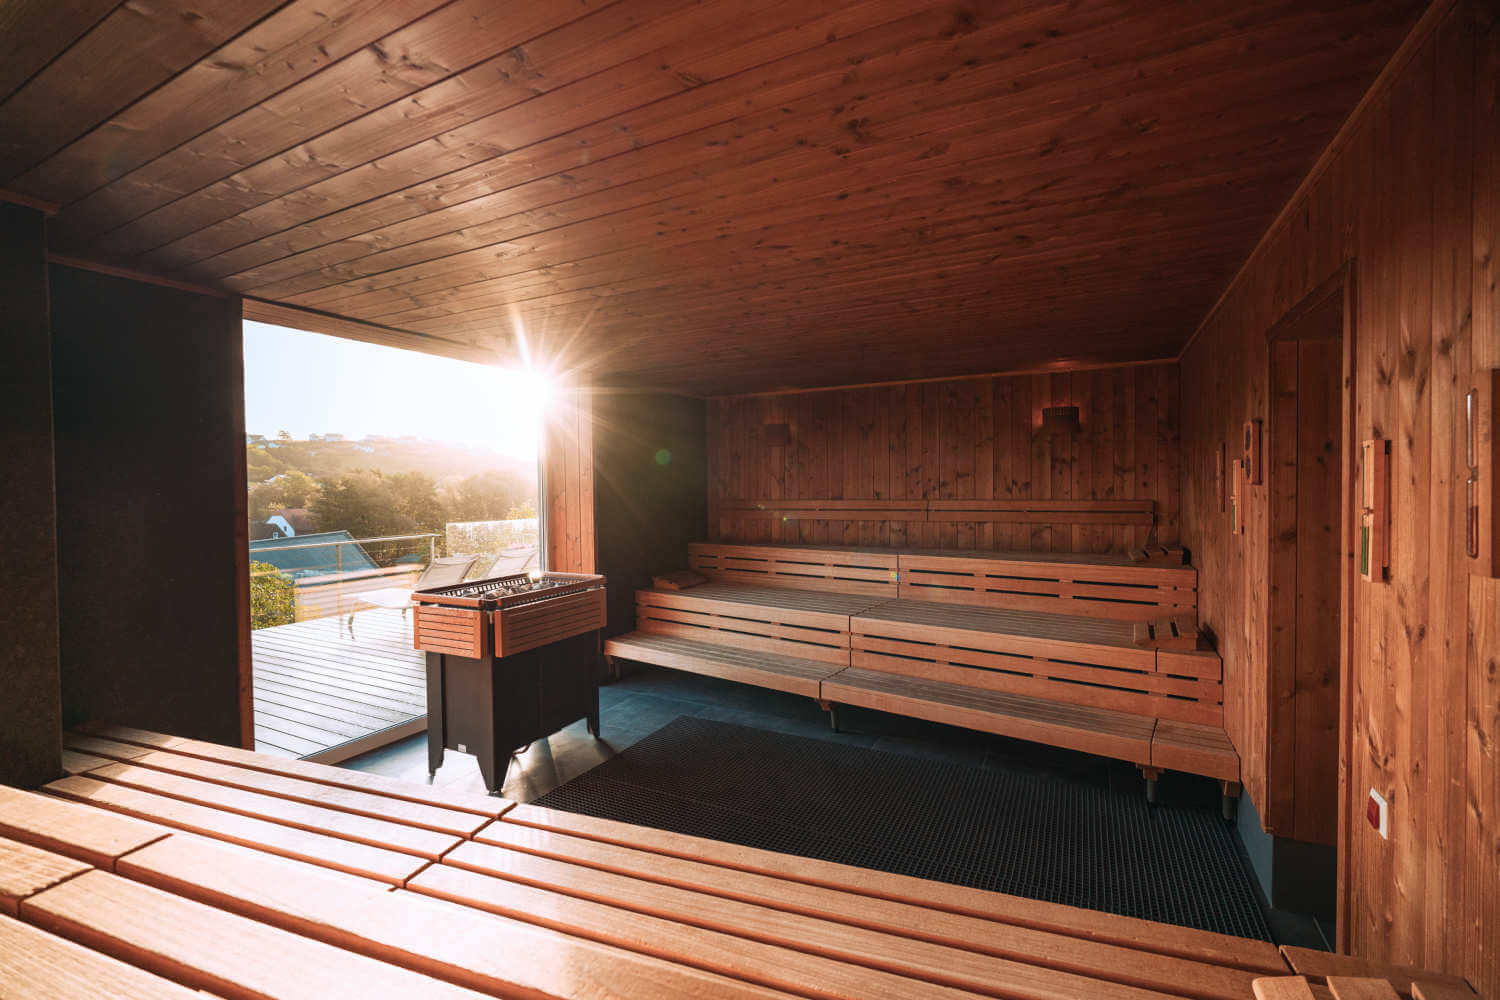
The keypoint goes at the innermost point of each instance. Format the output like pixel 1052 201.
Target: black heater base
pixel 492 706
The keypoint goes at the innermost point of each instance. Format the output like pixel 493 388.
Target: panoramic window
pixel 371 472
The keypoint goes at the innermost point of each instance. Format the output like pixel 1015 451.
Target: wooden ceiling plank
pixel 378 86
pixel 541 73
pixel 445 274
pixel 918 75
pixel 341 276
pixel 577 124
pixel 1012 232
pixel 35 32
pixel 295 42
pixel 684 154
pixel 131 51
pixel 711 104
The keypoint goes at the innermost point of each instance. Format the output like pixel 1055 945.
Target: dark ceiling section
pixel 714 196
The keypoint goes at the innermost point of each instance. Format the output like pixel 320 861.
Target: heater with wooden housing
pixel 510 660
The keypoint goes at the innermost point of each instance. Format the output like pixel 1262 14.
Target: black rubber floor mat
pixel 1029 834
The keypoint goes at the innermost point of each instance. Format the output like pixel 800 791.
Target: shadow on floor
pixel 648 698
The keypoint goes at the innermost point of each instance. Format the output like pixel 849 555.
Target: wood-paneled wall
pixel 650 465
pixel 959 439
pixel 31 707
pixel 1406 199
pixel 567 485
pixel 149 409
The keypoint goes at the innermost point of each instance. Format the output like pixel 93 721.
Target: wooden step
pixel 1075 727
pixel 768 670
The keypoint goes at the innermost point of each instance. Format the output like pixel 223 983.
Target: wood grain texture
pixel 90 835
pixel 318 848
pixel 26 870
pixel 1103 961
pixel 951 445
pixel 35 965
pixel 1092 925
pixel 464 946
pixel 1409 227
pixel 810 193
pixel 567 478
pixel 209 949
pixel 323 774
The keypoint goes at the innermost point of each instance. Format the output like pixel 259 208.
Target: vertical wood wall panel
pixel 568 478
pixel 1408 202
pixel 31 707
pixel 148 398
pixel 959 439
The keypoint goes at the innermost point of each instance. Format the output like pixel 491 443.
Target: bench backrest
pixel 1075 584
pixel 1100 587
pixel 846 571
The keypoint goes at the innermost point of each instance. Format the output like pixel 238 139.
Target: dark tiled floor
pixel 647 698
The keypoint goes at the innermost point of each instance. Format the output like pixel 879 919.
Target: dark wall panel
pixel 650 488
pixel 148 387
pixel 30 751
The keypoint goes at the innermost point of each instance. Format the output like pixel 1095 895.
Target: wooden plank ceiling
pixel 710 196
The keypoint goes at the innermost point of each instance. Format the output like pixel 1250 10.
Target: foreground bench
pixel 529 902
pixel 976 640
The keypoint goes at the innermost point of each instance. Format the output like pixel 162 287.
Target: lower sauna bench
pixel 126 895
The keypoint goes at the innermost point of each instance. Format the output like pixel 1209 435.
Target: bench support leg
pixel 1230 800
pixel 1151 774
pixel 614 666
pixel 833 713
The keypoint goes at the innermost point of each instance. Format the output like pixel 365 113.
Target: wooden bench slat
pixel 766 966
pixel 35 965
pixel 1196 749
pixel 26 870
pixel 767 670
pixel 1090 730
pixel 350 826
pixel 429 817
pixel 331 852
pixel 1284 988
pixel 873 949
pixel 1307 962
pixel 1143 935
pixel 74 762
pixel 89 835
pixel 206 948
pixel 1035 947
pixel 458 944
pixel 481 805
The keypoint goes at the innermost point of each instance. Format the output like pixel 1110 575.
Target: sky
pixel 306 383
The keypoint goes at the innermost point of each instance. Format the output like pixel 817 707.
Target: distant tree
pixel 490 495
pixel 524 509
pixel 362 503
pixel 417 499
pixel 290 489
pixel 283 436
pixel 272 597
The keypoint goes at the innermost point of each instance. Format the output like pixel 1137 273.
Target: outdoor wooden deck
pixel 321 694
